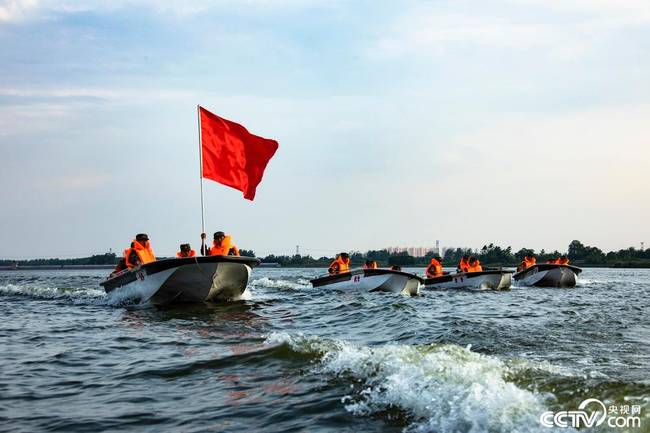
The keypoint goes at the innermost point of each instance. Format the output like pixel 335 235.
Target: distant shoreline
pixel 54 267
pixel 98 267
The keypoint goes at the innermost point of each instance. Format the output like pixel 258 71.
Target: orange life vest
pixel 145 254
pixel 373 265
pixel 528 262
pixel 180 254
pixel 562 261
pixel 338 266
pixel 434 269
pixel 463 265
pixel 476 267
pixel 224 248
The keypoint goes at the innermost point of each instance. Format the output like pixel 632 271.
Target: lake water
pixel 291 358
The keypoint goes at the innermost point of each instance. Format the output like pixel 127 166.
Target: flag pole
pixel 198 115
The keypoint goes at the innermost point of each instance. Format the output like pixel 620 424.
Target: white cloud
pixel 18 10
pixel 113 94
pixel 565 29
pixel 630 10
pixel 436 31
pixel 15 10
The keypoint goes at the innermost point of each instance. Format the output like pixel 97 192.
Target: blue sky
pixel 523 123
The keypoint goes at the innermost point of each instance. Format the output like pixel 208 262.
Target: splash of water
pixel 442 387
pixel 280 284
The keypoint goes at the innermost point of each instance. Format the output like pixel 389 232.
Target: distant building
pixel 412 251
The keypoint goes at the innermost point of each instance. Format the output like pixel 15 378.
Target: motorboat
pixel 484 280
pixel 371 280
pixel 178 280
pixel 548 275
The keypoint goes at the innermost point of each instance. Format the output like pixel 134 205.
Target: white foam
pixel 445 388
pixel 51 292
pixel 280 284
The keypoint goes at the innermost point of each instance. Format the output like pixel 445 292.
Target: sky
pixel 518 122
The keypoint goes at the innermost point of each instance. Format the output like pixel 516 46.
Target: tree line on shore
pixel 489 255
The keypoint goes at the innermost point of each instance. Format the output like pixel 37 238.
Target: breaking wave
pixel 437 387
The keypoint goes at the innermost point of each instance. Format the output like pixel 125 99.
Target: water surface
pixel 293 358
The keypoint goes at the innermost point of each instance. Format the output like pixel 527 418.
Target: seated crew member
pixel 185 251
pixel 222 245
pixel 121 265
pixel 370 264
pixel 563 260
pixel 127 251
pixel 340 264
pixel 474 265
pixel 435 268
pixel 140 253
pixel 529 260
pixel 395 268
pixel 463 265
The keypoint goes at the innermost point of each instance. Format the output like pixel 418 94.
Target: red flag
pixel 233 156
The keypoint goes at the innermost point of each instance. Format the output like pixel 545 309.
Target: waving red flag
pixel 231 155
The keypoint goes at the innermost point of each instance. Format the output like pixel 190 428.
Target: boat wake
pixel 73 295
pixel 299 284
pixel 435 388
pixel 52 292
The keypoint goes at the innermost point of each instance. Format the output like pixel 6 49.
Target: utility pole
pixel 297 250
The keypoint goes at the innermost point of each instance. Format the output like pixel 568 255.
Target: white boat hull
pixel 485 280
pixel 548 275
pixel 372 280
pixel 199 279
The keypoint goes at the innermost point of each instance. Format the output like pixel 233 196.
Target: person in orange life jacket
pixel 370 264
pixel 435 268
pixel 563 260
pixel 121 265
pixel 474 265
pixel 185 251
pixel 222 245
pixel 140 253
pixel 529 260
pixel 463 265
pixel 340 264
